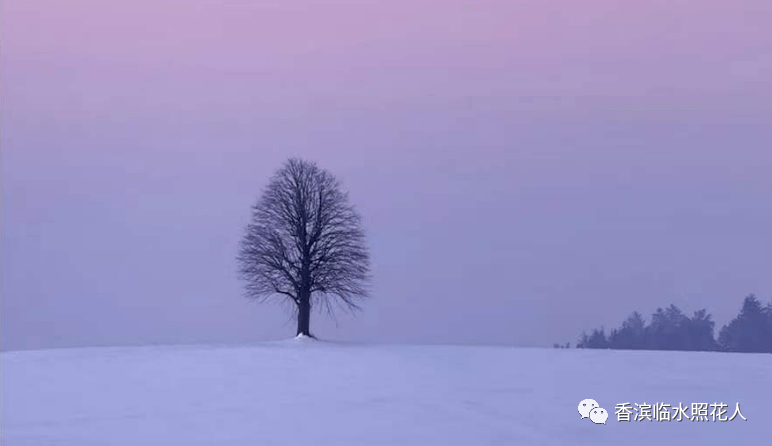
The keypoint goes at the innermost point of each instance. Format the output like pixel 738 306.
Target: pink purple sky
pixel 526 169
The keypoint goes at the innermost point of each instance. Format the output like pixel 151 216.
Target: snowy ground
pixel 312 393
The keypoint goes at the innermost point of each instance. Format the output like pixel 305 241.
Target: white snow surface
pixel 306 392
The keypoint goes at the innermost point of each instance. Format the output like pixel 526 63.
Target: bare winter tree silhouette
pixel 305 244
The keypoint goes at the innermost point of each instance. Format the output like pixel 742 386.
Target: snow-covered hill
pixel 316 393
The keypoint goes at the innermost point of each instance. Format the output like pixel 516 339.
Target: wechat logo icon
pixel 592 410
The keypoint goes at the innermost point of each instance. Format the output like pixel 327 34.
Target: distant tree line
pixel 670 329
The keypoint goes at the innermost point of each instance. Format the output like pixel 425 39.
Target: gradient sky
pixel 526 169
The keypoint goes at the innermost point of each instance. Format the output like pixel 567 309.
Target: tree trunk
pixel 304 316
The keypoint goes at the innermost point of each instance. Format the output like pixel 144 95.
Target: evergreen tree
pixel 750 331
pixel 596 340
pixel 667 329
pixel 699 332
pixel 631 336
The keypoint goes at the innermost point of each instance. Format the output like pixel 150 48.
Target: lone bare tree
pixel 305 244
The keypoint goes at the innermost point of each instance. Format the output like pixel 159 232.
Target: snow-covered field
pixel 315 393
